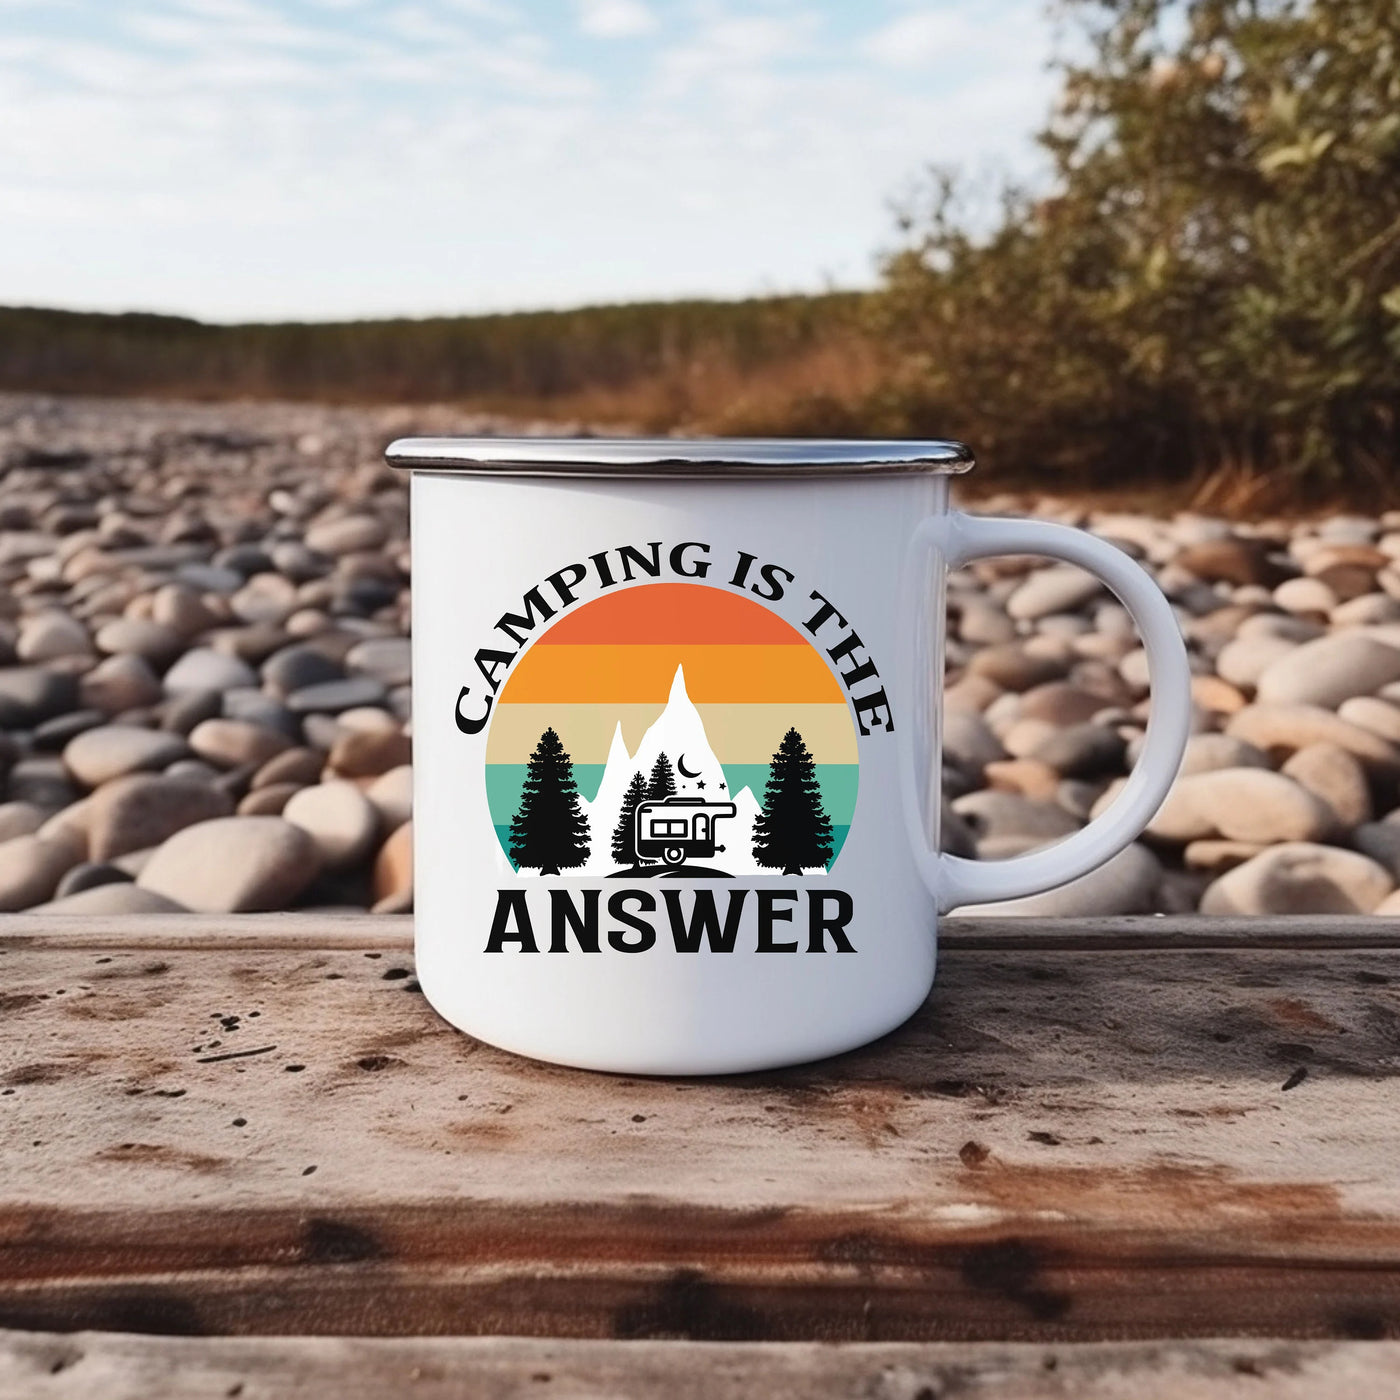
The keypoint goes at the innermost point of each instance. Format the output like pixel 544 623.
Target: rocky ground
pixel 1288 801
pixel 204 657
pixel 205 701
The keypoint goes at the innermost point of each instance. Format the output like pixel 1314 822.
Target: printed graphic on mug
pixel 671 730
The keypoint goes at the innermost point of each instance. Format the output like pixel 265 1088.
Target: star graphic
pixel 701 783
pixel 721 787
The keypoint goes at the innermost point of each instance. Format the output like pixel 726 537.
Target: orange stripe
pixel 673 612
pixel 714 675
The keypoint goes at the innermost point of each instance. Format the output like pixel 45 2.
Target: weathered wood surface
pixel 78 1366
pixel 1106 1136
pixel 344 930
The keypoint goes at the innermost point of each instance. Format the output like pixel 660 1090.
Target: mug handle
pixel 955 880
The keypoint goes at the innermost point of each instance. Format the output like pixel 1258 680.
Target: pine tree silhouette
pixel 663 779
pixel 550 831
pixel 793 831
pixel 624 842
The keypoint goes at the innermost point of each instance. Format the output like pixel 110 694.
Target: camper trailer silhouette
pixel 679 829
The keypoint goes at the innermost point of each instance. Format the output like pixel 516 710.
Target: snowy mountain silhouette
pixel 679 733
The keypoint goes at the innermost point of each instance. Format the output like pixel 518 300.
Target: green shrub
pixel 1213 282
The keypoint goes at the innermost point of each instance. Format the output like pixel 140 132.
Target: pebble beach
pixel 206 702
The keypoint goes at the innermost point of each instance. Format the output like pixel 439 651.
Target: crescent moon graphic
pixel 683 770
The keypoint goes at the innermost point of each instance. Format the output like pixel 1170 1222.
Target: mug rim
pixel 677 458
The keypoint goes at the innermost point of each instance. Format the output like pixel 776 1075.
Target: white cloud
pixel 920 38
pixel 734 57
pixel 615 19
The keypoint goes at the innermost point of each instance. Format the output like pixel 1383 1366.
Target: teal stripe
pixel 838 782
pixel 838 839
pixel 503 836
pixel 505 780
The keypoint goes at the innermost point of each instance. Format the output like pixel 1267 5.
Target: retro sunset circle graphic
pixel 671 730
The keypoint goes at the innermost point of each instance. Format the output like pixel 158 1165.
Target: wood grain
pixel 1066 1143
pixel 78 1366
pixel 339 929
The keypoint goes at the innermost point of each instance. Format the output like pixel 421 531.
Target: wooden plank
pixel 117 1367
pixel 336 929
pixel 1061 1145
pixel 196 932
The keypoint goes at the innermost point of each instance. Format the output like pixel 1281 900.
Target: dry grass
pixel 815 390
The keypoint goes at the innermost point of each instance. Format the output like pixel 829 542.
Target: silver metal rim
pixel 674 459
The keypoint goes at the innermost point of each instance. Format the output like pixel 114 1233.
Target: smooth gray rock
pixel 1081 751
pixel 50 635
pixel 1004 814
pixel 1380 841
pixel 265 598
pixel 347 535
pixel 155 641
pixel 362 753
pixel 20 819
pixel 142 810
pixel 983 623
pixel 120 683
pixel 389 659
pixel 255 707
pixel 1206 753
pixel 1300 878
pixel 180 607
pixel 339 818
pixel 1064 703
pixel 1244 660
pixel 1056 589
pixel 206 669
pixel 89 876
pixel 296 667
pixel 1379 716
pixel 231 743
pixel 1125 884
pixel 209 578
pixel 113 750
pixel 1330 670
pixel 31 867
pixel 1330 773
pixel 1305 596
pixel 969 742
pixel 53 735
pixel 1287 728
pixel 392 797
pixel 42 780
pixel 1241 804
pixel 30 695
pixel 330 697
pixel 299 765
pixel 190 707
pixel 234 865
pixel 124 898
pixel 1012 667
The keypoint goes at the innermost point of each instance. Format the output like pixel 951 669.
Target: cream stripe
pixel 737 733
pixel 751 733
pixel 585 730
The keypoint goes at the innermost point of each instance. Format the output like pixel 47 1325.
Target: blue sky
pixel 239 159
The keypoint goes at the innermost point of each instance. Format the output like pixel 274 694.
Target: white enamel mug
pixel 678 741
